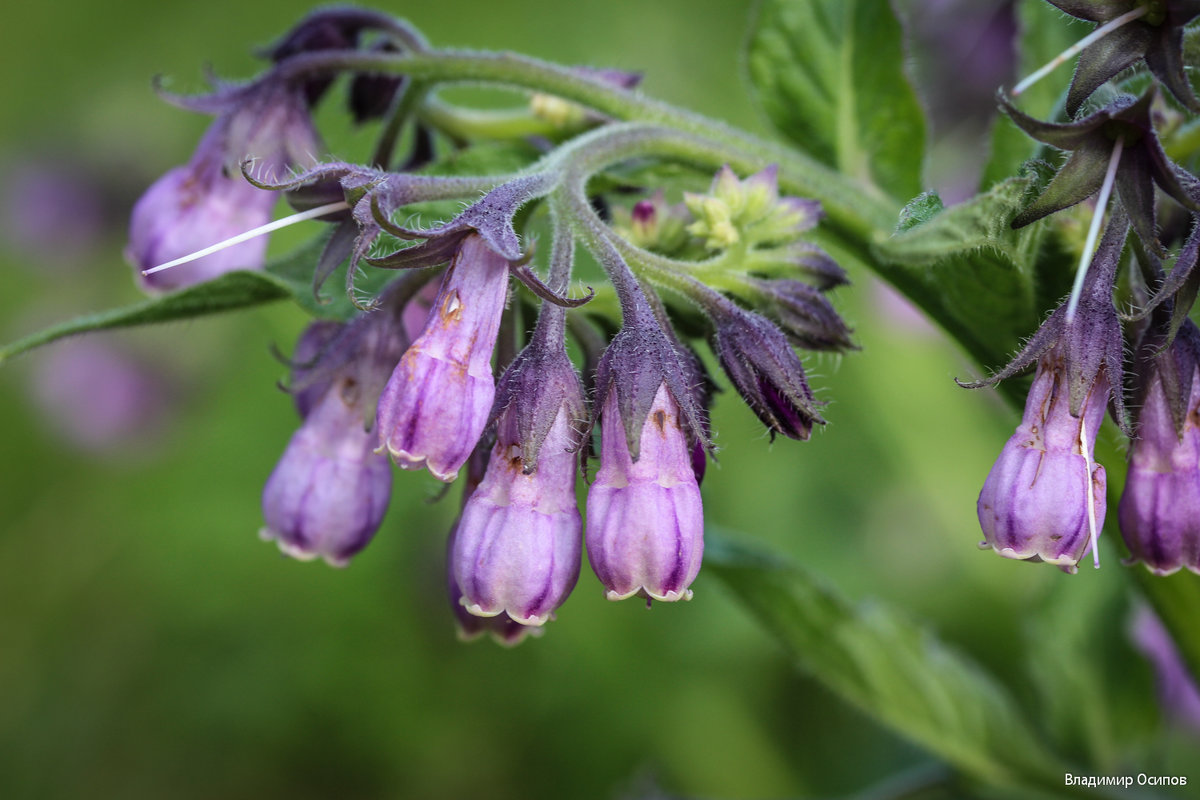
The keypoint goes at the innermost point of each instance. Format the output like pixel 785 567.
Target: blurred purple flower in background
pixel 97 395
pixel 1177 690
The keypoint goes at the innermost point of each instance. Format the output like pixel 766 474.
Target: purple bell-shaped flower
pixel 645 522
pixel 1160 506
pixel 436 404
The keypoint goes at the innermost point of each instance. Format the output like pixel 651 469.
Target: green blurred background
pixel 152 646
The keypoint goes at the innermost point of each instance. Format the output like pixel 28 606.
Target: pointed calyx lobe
pixel 765 370
pixel 1090 141
pixel 1091 343
pixel 1156 37
pixel 539 385
pixel 640 359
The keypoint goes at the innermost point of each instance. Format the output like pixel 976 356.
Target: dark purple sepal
pixel 1092 344
pixel 362 351
pixel 640 359
pixel 265 121
pixel 337 28
pixel 371 93
pixel 319 353
pixel 703 389
pixel 538 385
pixel 809 259
pixel 491 216
pixel 1180 284
pixel 1156 37
pixel 765 371
pixel 807 317
pixel 1143 164
pixel 533 283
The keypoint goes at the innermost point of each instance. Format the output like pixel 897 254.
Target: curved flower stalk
pixel 515 551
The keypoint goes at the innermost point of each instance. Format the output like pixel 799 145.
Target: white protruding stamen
pixel 261 230
pixel 1089 244
pixel 1091 500
pixel 1096 35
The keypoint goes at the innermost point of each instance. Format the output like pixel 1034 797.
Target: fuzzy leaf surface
pixel 970 271
pixel 830 75
pixel 890 668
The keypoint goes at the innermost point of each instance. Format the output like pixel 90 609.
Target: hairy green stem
pixel 850 205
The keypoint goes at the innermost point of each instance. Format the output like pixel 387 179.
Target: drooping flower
pixel 436 404
pixel 645 522
pixel 207 201
pixel 517 544
pixel 329 492
pixel 1160 505
pixel 1044 498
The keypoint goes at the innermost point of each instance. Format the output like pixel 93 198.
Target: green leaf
pixel 888 667
pixel 830 76
pixel 286 277
pixel 1042 33
pixel 231 291
pixel 970 271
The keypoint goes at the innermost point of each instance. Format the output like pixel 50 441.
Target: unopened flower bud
pixel 749 210
pixel 765 370
pixel 436 404
pixel 645 523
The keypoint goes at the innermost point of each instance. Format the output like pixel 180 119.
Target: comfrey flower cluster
pixel 1045 498
pixel 408 375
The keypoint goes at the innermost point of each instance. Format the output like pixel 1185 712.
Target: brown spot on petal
pixel 660 420
pixel 452 306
